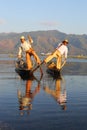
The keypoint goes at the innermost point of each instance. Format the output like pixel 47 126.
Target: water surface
pixel 46 105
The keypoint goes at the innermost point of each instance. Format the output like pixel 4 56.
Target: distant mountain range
pixel 44 41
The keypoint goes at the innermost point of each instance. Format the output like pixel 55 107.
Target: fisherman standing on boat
pixel 60 50
pixel 27 48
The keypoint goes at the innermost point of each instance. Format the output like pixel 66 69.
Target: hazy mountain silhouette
pixel 44 41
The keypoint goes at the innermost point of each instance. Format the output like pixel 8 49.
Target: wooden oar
pixel 43 62
pixel 38 67
pixel 41 70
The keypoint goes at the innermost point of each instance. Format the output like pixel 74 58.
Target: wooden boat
pixel 53 71
pixel 22 71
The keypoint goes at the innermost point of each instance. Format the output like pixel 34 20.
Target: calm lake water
pixel 46 105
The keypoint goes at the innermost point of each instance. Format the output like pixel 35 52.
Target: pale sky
pixel 68 16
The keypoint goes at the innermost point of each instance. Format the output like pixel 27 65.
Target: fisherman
pixel 27 48
pixel 60 50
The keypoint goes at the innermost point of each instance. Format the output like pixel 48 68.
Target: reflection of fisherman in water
pixel 25 100
pixel 59 93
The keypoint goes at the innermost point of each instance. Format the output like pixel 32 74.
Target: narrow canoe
pixel 53 71
pixel 22 71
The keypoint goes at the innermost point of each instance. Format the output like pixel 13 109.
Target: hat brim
pixel 65 41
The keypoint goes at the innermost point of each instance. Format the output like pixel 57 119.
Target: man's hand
pixel 19 56
pixel 38 61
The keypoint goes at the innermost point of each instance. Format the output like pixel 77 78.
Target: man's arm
pixel 30 39
pixel 19 52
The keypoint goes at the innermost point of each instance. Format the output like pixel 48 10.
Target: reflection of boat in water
pixel 21 69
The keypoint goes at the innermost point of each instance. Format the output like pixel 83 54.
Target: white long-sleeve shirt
pixel 62 49
pixel 24 47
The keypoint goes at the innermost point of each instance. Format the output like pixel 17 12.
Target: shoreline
pixel 75 68
pixel 70 68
